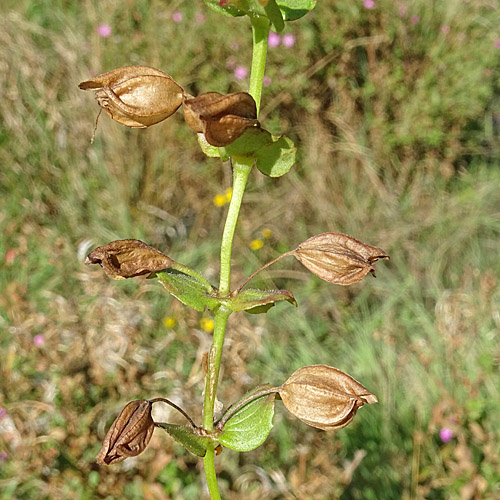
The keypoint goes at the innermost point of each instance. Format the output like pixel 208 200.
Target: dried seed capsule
pixel 222 118
pixel 136 96
pixel 323 396
pixel 338 258
pixel 129 435
pixel 128 258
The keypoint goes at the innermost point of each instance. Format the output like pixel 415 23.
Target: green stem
pixel 260 28
pixel 214 356
pixel 241 170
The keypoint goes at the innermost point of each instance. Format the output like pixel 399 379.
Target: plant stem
pixel 220 319
pixel 173 405
pixel 241 170
pixel 260 28
pixel 238 290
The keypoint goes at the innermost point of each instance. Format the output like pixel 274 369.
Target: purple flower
pixel 104 30
pixel 415 19
pixel 446 434
pixel 3 412
pixel 177 16
pixel 288 40
pixel 273 40
pixel 39 340
pixel 266 81
pixel 368 4
pixel 240 73
pixel 3 456
pixel 496 43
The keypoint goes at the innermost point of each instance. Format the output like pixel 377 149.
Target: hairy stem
pixel 178 408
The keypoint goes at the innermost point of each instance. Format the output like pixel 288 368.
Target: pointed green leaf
pixel 194 440
pixel 249 300
pixel 277 158
pixel 187 289
pixel 295 9
pixel 249 427
pixel 275 16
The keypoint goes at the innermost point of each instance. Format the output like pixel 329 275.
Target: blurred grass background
pixel 395 109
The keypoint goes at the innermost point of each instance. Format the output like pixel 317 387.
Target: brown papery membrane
pixel 128 258
pixel 338 258
pixel 324 397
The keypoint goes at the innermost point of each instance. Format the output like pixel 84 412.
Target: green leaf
pixel 277 158
pixel 295 9
pixel 187 289
pixel 231 9
pixel 249 427
pixel 275 16
pixel 258 301
pixel 194 440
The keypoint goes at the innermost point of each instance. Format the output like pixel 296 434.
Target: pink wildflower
pixel 104 30
pixel 496 43
pixel 3 456
pixel 240 73
pixel 266 81
pixel 415 19
pixel 273 40
pixel 369 4
pixel 445 29
pixel 177 16
pixel 288 40
pixel 446 434
pixel 3 412
pixel 199 17
pixel 39 340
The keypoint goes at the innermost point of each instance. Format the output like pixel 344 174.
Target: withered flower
pixel 128 258
pixel 338 258
pixel 323 396
pixel 129 435
pixel 221 118
pixel 136 96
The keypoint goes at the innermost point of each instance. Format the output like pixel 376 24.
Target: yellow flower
pixel 207 324
pixel 228 194
pixel 266 233
pixel 256 244
pixel 169 322
pixel 219 200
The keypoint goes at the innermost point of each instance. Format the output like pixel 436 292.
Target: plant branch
pixel 173 405
pixel 238 290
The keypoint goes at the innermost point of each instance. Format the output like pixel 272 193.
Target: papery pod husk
pixel 338 258
pixel 323 396
pixel 129 434
pixel 136 96
pixel 221 118
pixel 128 258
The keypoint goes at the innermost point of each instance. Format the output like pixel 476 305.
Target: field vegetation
pixel 395 109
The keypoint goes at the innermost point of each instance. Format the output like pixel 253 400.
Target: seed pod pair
pixel 324 397
pixel 141 96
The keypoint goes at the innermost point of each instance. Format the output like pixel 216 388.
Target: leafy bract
pixel 257 301
pixel 187 289
pixel 295 9
pixel 274 156
pixel 194 440
pixel 250 425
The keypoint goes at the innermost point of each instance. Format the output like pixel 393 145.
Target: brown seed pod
pixel 136 96
pixel 129 435
pixel 128 258
pixel 323 396
pixel 222 118
pixel 338 258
